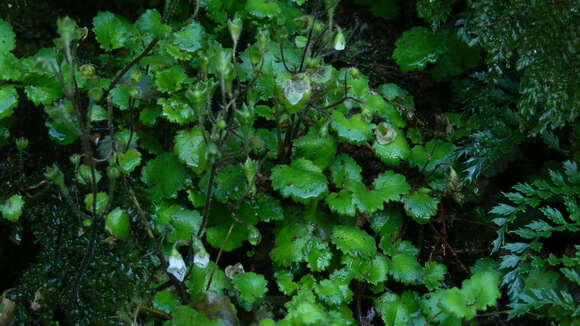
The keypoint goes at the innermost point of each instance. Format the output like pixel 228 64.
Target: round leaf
pixel 118 224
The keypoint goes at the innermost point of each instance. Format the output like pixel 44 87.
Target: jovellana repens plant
pixel 226 130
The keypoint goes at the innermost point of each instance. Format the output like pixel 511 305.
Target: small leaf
pixel 420 205
pixel 387 221
pixel 405 269
pixel 393 152
pixel 313 147
pixel 118 224
pixel 434 274
pixel 334 292
pixel 215 237
pixel 42 89
pixel 7 37
pixel 191 149
pixel 263 8
pixel 252 286
pixel 170 80
pixel 352 130
pixel 110 31
pixel 415 48
pixel 301 180
pixel 352 241
pixel 164 175
pixel 294 91
pixel 151 22
pixel 12 207
pixel 391 186
pixel 354 197
pixel 190 39
pixel 101 202
pixel 165 301
pixel 184 223
pixel 344 169
pixel 129 160
pixel 8 101
pixel 290 244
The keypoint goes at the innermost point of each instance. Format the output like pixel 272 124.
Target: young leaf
pixel 354 197
pixel 394 151
pixel 7 37
pixel 118 224
pixel 252 286
pixel 191 149
pixel 8 101
pixel 12 208
pixel 352 130
pixel 391 186
pixel 434 274
pixel 101 202
pixel 301 180
pixel 164 175
pixel 190 39
pixel 151 22
pixel 110 31
pixel 415 48
pixel 129 160
pixel 420 205
pixel 170 80
pixel 352 241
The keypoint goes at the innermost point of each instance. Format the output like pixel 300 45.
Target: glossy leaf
pixel 301 180
pixel 170 80
pixel 164 175
pixel 7 37
pixel 8 100
pixel 191 149
pixel 12 208
pixel 415 48
pixel 313 147
pixel 262 8
pixel 184 223
pixel 190 39
pixel 151 22
pixel 118 224
pixel 101 202
pixel 110 31
pixel 352 241
pixel 391 186
pixel 434 274
pixel 420 205
pixel 252 286
pixel 395 151
pixel 352 130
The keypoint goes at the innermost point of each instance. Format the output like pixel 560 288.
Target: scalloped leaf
pixel 302 180
pixel 352 130
pixel 387 221
pixel 164 175
pixel 434 273
pixel 294 91
pixel 170 79
pixel 393 152
pixel 7 37
pixel 335 291
pixel 263 8
pixel 151 22
pixel 344 169
pixel 215 236
pixel 176 110
pixel 319 255
pixel 191 38
pixel 415 48
pixel 252 286
pixel 313 147
pixel 406 269
pixel 191 149
pixel 352 241
pixel 435 154
pixel 101 202
pixel 291 243
pixel 42 89
pixel 129 160
pixel 391 186
pixel 110 31
pixel 420 205
pixel 8 101
pixel 184 223
pixel 354 197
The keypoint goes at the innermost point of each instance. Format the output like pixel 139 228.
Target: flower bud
pixel 235 27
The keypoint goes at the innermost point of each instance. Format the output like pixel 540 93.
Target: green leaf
pixel 434 274
pixel 435 155
pixel 176 110
pixel 165 301
pixel 392 310
pixel 453 302
pixel 191 149
pixel 354 197
pixel 164 175
pixel 334 292
pixel 230 183
pixel 215 236
pixel 110 31
pixel 102 199
pixel 170 80
pixel 387 221
pixel 121 95
pixel 483 288
pixel 42 89
pixel 352 241
pixel 12 207
pixel 415 48
pixel 184 223
pixel 394 151
pixel 352 130
pixel 420 205
pixel 301 180
pixel 118 224
pixel 8 101
pixel 376 270
pixel 290 244
pixel 7 37
pixel 252 286
pixel 187 316
pixel 405 269
pixel 151 22
pixel 9 67
pixel 391 186
pixel 262 8
pixel 190 39
pixel 344 169
pixel 84 175
pixel 129 160
pixel 319 255
pixel 285 281
pixel 294 91
pixel 320 150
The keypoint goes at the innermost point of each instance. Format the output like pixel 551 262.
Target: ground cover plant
pixel 227 163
